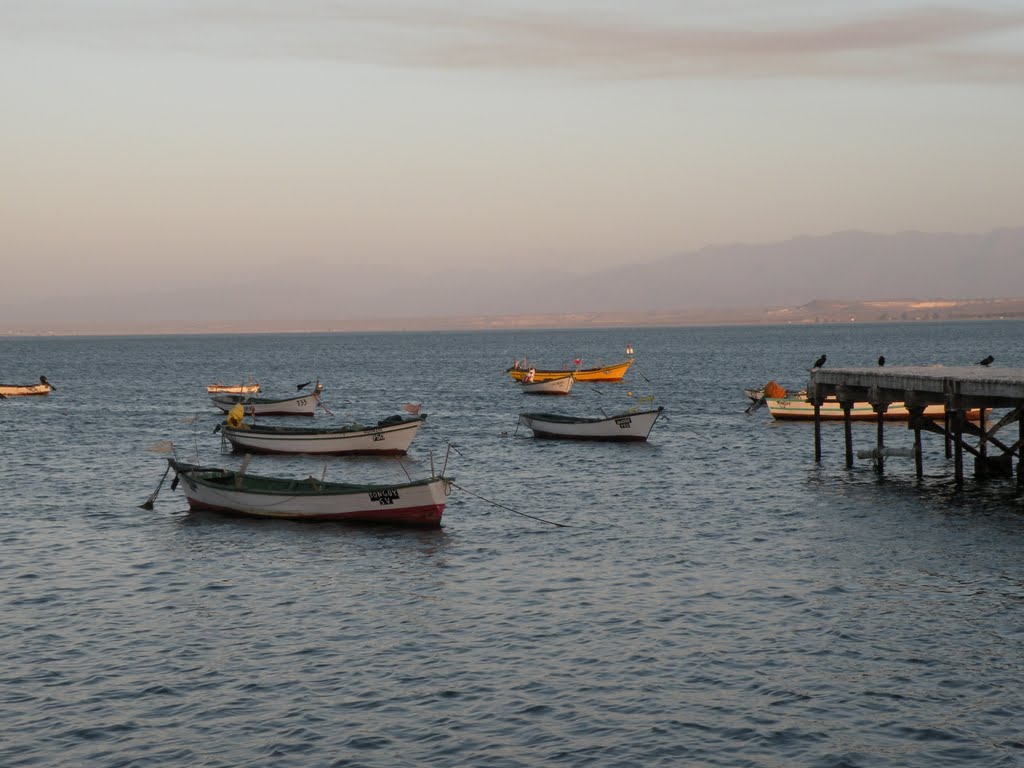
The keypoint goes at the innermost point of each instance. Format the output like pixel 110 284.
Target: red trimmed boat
pixel 417 503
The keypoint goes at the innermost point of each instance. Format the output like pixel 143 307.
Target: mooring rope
pixel 502 506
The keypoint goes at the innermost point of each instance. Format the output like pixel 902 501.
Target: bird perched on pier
pixel 818 363
pixel 881 360
pixel 987 361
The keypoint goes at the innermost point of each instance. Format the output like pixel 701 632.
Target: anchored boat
pixel 632 426
pixel 300 405
pixel 388 436
pixel 417 503
pixel 558 386
pixel 614 372
pixel 252 388
pixel 44 387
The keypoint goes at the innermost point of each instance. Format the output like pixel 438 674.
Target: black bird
pixel 881 360
pixel 301 387
pixel 987 361
pixel 819 362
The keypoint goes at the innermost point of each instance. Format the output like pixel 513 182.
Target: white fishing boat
pixel 300 405
pixel 391 436
pixel 251 388
pixel 557 386
pixel 44 387
pixel 417 503
pixel 630 426
pixel 799 409
pixel 794 406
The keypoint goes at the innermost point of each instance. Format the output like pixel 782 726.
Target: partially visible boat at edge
pixel 390 436
pixel 632 426
pixel 417 503
pixel 603 373
pixel 44 387
pixel 300 405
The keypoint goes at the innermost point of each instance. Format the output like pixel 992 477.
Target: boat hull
pixel 383 439
pixel 419 504
pixel 24 390
pixel 624 427
pixel 301 405
pixel 798 409
pixel 604 373
pixel 560 386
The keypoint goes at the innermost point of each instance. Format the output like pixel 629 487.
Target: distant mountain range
pixel 829 278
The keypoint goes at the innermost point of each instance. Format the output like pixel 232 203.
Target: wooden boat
pixel 44 387
pixel 300 405
pixel 798 409
pixel 558 386
pixel 417 503
pixel 604 373
pixel 389 436
pixel 629 426
pixel 252 388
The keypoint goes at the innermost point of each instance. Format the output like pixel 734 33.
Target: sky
pixel 159 145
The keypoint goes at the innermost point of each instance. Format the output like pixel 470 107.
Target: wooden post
pixel 848 433
pixel 817 431
pixel 916 414
pixel 880 438
pixel 958 448
pixel 983 441
pixel 1020 452
pixel 947 424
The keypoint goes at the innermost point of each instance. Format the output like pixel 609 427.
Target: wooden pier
pixel 958 389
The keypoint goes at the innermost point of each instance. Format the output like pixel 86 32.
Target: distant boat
pixel 632 426
pixel 558 386
pixel 388 436
pixel 300 405
pixel 417 503
pixel 604 373
pixel 251 388
pixel 44 387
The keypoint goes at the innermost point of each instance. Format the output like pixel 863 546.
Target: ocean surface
pixel 714 599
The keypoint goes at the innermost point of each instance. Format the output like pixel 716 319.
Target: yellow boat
pixel 604 373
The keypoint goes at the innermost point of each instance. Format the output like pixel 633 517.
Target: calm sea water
pixel 716 598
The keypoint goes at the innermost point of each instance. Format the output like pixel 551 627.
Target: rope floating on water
pixel 502 506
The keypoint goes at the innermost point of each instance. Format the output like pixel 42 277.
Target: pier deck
pixel 958 389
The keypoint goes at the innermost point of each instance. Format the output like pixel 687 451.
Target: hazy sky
pixel 157 142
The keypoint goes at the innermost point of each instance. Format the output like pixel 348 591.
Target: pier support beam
pixel 956 417
pixel 880 409
pixel 848 432
pixel 1020 451
pixel 816 401
pixel 916 414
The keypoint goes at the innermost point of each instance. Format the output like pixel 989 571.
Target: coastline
pixel 819 311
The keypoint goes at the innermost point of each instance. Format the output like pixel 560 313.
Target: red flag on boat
pixel 577 361
pixel 411 407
